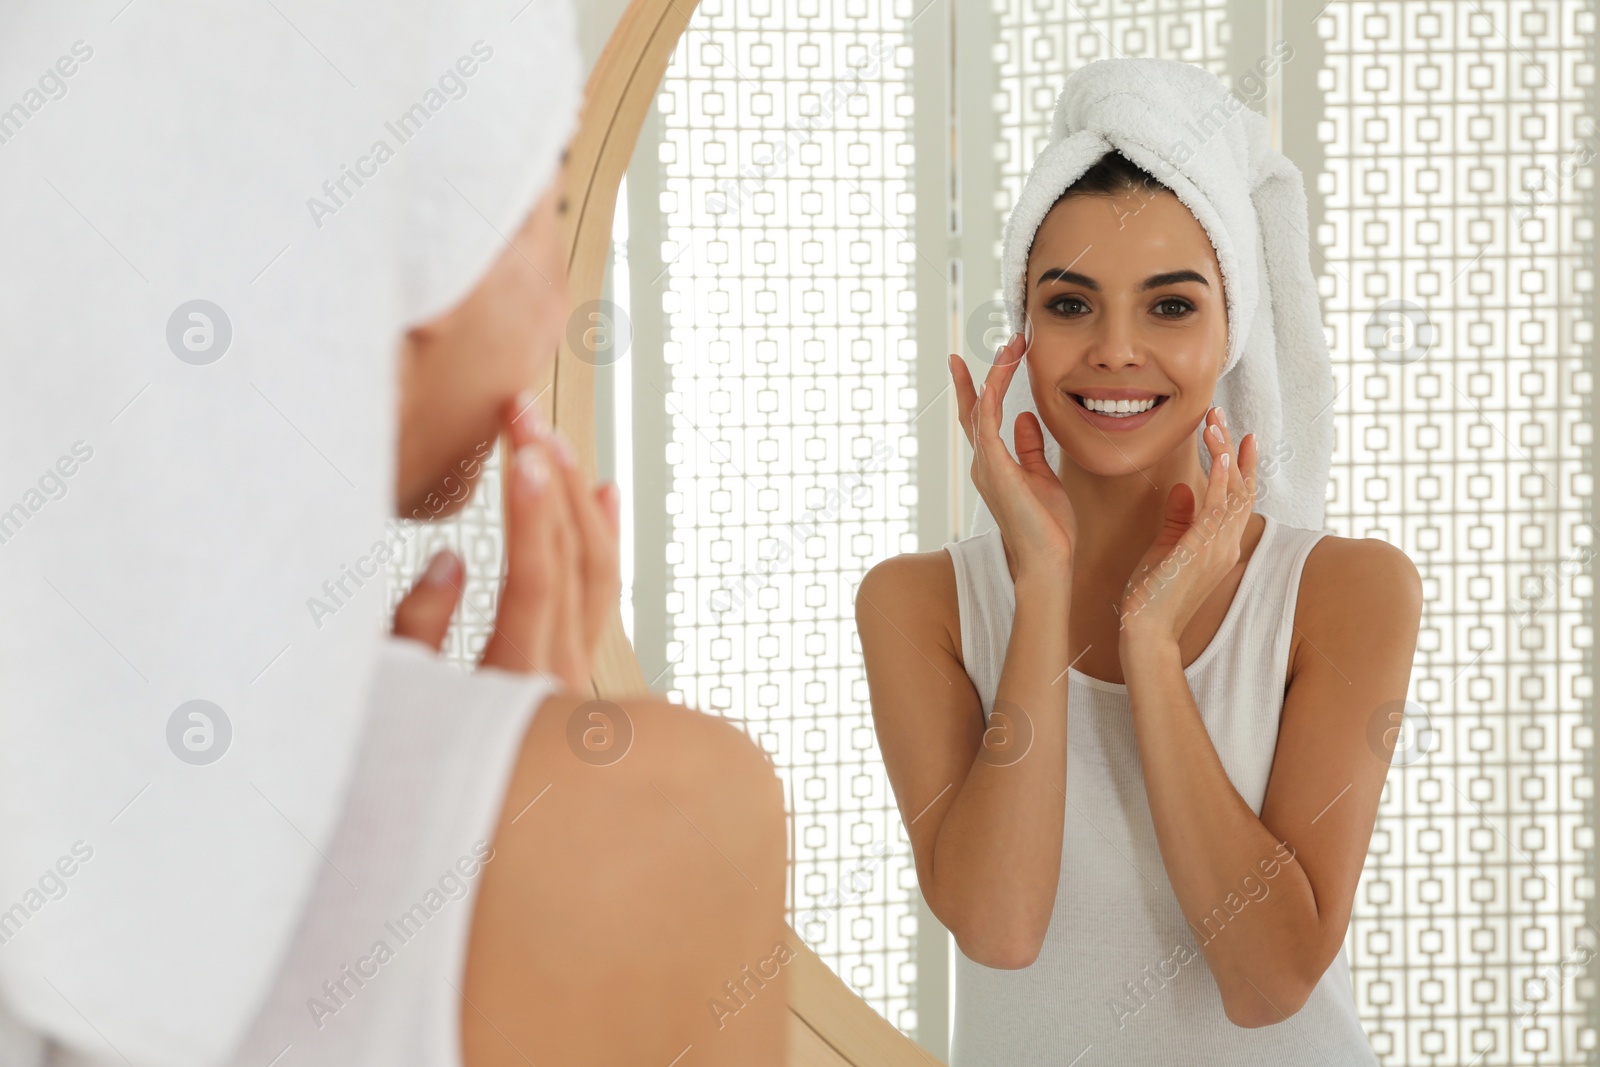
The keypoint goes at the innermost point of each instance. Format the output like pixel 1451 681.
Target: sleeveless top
pixel 1120 978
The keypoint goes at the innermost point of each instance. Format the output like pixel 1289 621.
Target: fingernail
pixel 563 448
pixel 1222 416
pixel 534 415
pixel 440 568
pixel 1225 461
pixel 531 466
pixel 1215 431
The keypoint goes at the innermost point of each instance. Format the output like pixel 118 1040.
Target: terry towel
pixel 1187 129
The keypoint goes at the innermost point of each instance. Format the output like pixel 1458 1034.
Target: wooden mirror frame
pixel 829 1025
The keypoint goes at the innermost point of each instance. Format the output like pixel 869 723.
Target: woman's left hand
pixel 1197 546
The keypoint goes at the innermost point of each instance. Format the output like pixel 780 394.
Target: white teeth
pixel 1118 407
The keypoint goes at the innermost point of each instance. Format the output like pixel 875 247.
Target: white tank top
pixel 1120 978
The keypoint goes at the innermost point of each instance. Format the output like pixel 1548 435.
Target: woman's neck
pixel 1120 515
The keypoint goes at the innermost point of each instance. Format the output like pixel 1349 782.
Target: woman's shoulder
pixel 919 587
pixel 920 578
pixel 1332 559
pixel 1360 557
pixel 1351 580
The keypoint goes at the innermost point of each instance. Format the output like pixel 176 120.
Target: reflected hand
pixel 1035 516
pixel 1195 548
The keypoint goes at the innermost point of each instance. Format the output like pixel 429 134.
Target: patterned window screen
pixel 1043 42
pixel 475 534
pixel 1452 198
pixel 1459 287
pixel 784 173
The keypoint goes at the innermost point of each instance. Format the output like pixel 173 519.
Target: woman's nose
pixel 1114 344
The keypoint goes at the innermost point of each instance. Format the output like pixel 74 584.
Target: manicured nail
pixel 1222 416
pixel 1215 431
pixel 440 568
pixel 563 448
pixel 531 466
pixel 1224 461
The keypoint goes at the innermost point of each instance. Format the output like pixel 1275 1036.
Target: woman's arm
pixel 1269 899
pixel 985 811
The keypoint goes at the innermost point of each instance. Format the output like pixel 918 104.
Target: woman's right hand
pixel 1035 516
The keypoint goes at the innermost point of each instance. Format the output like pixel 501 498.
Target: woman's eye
pixel 1171 308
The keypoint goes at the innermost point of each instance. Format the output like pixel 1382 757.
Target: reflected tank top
pixel 1120 978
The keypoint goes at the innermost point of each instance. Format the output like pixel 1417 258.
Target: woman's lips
pixel 1115 423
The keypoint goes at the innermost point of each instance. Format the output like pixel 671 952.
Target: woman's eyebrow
pixel 1155 281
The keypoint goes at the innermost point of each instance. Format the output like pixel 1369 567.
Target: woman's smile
pixel 1117 409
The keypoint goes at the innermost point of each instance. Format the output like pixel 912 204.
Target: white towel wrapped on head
pixel 1180 123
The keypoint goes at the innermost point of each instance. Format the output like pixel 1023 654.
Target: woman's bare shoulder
pixel 915 587
pixel 1362 583
pixel 1366 563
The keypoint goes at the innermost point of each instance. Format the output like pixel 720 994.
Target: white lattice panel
pixel 476 534
pixel 786 205
pixel 1458 286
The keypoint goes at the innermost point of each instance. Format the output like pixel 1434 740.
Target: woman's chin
pixel 1114 459
pixel 431 506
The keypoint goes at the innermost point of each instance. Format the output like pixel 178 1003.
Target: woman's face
pixel 457 371
pixel 1124 302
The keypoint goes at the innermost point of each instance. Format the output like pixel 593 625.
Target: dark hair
pixel 1113 173
pixel 1110 175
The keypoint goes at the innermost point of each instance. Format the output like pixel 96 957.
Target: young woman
pixel 1138 779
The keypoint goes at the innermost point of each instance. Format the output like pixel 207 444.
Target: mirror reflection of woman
pixel 1129 728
